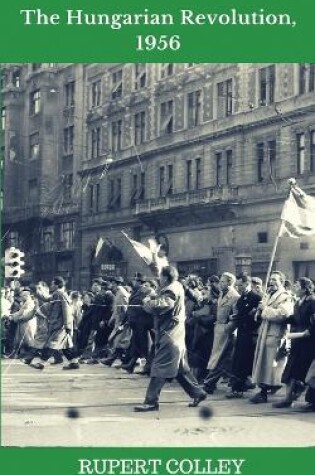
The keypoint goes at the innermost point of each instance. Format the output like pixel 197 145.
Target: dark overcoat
pixel 169 322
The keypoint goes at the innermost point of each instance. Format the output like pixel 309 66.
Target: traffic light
pixel 13 263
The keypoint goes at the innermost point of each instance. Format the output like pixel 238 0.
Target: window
pixel 33 191
pixel 189 182
pixel 117 85
pixel 67 187
pixel 116 135
pixel 47 239
pixel 95 142
pixel 36 66
pixel 169 188
pixel 67 235
pixel 300 142
pixel 218 160
pixel 16 78
pixel 225 98
pixel 94 198
pixel 167 69
pixel 68 136
pixel 306 78
pixel 3 117
pixel 114 198
pixel 229 167
pixel 260 161
pixel 312 157
pixel 267 85
pixel 4 79
pixel 272 158
pixel 198 173
pixel 34 146
pixel 161 181
pixel 69 93
pixel 35 102
pixel 96 93
pixel 137 188
pixel 140 127
pixel 194 109
pixel 166 118
pixel 140 76
pixel 262 237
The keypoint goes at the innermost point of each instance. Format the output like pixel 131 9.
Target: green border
pixel 206 43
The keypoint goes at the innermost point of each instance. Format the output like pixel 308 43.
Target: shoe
pixel 259 398
pixel 144 372
pixel 92 361
pixel 56 362
pixel 72 366
pixel 37 365
pixel 27 361
pixel 282 404
pixel 197 400
pixel 108 361
pixel 146 408
pixel 209 389
pixel 130 365
pixel 274 389
pixel 234 395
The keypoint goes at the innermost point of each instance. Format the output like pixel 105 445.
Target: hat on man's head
pixel 214 279
pixel 98 281
pixel 118 279
pixel 140 277
pixel 257 281
pixel 59 281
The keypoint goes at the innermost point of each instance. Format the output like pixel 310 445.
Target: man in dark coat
pixel 140 321
pixel 247 327
pixel 169 361
pixel 60 324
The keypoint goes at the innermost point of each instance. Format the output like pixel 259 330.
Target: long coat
pixel 247 329
pixel 60 319
pixel 26 324
pixel 278 307
pixel 41 334
pixel 169 322
pixel 118 317
pixel 302 349
pixel 223 337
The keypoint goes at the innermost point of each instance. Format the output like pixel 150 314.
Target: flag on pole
pixel 143 251
pixel 99 246
pixel 298 214
pixel 149 254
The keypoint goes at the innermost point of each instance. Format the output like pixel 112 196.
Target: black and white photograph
pixel 158 254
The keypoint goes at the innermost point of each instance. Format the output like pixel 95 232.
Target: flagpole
pixel 273 253
pixel 291 182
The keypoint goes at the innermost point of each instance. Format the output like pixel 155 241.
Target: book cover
pixel 157 237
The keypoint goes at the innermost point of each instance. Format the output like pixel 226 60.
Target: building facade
pixel 197 155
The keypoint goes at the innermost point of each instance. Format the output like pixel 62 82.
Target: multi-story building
pixel 42 117
pixel 198 155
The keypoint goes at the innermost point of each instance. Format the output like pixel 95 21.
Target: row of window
pixel 224 169
pixel 62 235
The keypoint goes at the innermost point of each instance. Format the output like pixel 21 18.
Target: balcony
pixel 38 212
pixel 215 195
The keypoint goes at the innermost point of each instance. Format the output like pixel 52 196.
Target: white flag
pixel 99 246
pixel 298 214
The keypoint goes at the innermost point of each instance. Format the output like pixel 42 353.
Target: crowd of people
pixel 200 332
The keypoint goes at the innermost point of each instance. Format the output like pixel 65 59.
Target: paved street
pixel 35 405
